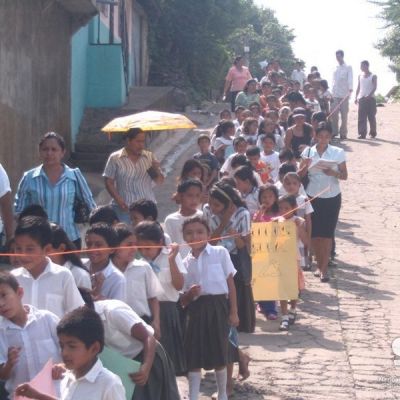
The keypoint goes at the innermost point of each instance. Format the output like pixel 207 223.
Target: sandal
pixel 325 279
pixel 292 316
pixel 284 325
pixel 317 273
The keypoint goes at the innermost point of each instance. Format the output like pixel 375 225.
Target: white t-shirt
pixel 98 383
pixel 118 319
pixel 272 160
pixel 4 188
pixel 82 277
pixel 252 202
pixel 210 270
pixel 54 289
pixel 304 206
pixel 279 143
pixel 142 284
pixel 173 226
pixel 38 343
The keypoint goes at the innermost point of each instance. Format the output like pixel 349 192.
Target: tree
pixel 192 43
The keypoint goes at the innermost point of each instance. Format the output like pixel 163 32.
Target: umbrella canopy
pixel 149 121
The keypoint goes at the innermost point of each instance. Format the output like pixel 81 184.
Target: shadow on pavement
pixel 387 141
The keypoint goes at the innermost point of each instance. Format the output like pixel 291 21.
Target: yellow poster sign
pixel 274 256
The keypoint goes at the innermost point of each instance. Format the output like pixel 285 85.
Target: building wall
pixel 34 79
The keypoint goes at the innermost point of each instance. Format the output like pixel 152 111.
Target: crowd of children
pixel 173 295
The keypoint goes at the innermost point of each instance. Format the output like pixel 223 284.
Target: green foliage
pixel 380 98
pixel 192 43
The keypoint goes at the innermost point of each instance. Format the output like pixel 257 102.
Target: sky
pixel 350 25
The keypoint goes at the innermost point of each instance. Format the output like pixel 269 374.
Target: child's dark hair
pixel 285 168
pixel 247 123
pixel 203 136
pixel 194 220
pixel 37 228
pixel 59 237
pixel 324 84
pixel 106 231
pixel 104 214
pixel 123 232
pixel 87 297
pixel 189 166
pixel 225 111
pixel 253 151
pixel 270 188
pixel 269 136
pixel 149 230
pixel 84 324
pixel 323 126
pixel 33 210
pixel 286 155
pixel 238 140
pixel 6 278
pixel 239 160
pixel 226 194
pixel 146 208
pixel 245 173
pixel 292 175
pixel 290 199
pixel 187 184
pixel 318 116
pixel 223 127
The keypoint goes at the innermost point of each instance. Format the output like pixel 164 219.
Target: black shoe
pixel 325 279
pixel 361 137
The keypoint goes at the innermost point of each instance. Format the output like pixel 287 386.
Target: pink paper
pixel 43 382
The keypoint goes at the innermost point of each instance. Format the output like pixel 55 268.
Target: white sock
pixel 221 377
pixel 194 385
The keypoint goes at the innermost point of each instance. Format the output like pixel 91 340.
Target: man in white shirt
pixel 298 74
pixel 341 91
pixel 6 214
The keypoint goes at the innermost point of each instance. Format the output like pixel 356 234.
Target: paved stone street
pixel 340 347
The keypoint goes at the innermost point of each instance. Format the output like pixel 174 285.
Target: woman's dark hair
pixel 237 59
pixel 248 83
pixel 59 237
pixel 239 160
pixel 107 232
pixel 34 210
pixel 271 188
pixel 132 133
pixel 225 194
pixel 194 220
pixel 189 166
pixel 149 230
pixel 245 173
pixel 53 135
pixel 323 126
pixel 123 232
pixel 290 199
pixel 223 127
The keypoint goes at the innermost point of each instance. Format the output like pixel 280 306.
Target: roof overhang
pixel 81 11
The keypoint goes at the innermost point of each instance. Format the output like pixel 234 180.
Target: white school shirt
pixel 142 284
pixel 114 285
pixel 82 277
pixel 164 275
pixel 299 76
pixel 99 383
pixel 118 319
pixel 210 270
pixel 304 206
pixel 319 181
pixel 54 289
pixel 252 202
pixel 4 188
pixel 173 226
pixel 342 81
pixel 272 160
pixel 38 342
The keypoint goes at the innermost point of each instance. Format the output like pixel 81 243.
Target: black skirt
pixel 325 216
pixel 171 335
pixel 244 293
pixel 207 330
pixel 161 384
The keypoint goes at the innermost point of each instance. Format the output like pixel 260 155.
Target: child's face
pixel 268 145
pixel 216 206
pixel 98 257
pixel 255 111
pixel 204 145
pixel 194 233
pixel 195 173
pixel 191 199
pixel 254 160
pixel 253 128
pixel 241 147
pixel 226 115
pixel 76 356
pixel 291 185
pixel 136 217
pixel 285 209
pixel 268 199
pixel 34 254
pixel 127 255
pixel 269 126
pixel 10 301
pixel 230 132
pixel 266 90
pixel 244 186
pixel 149 249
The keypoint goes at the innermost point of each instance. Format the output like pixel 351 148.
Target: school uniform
pixel 38 342
pixel 118 319
pixel 206 336
pixel 99 383
pixel 81 276
pixel 114 285
pixel 251 200
pixel 304 208
pixel 170 323
pixel 142 284
pixel 53 290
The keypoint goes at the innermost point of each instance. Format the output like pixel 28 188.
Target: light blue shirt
pixel 58 199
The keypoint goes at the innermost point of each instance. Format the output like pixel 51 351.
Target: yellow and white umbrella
pixel 149 121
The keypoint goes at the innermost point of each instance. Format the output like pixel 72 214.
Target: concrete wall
pixel 34 79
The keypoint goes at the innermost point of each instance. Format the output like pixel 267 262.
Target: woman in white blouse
pixel 324 185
